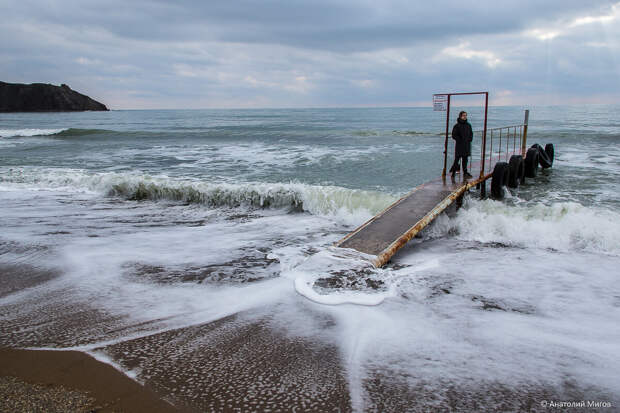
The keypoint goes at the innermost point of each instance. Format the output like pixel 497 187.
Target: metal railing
pixel 507 139
pixel 499 144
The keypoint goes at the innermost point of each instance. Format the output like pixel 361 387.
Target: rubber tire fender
pixel 550 151
pixel 517 169
pixel 501 174
pixel 543 158
pixel 531 163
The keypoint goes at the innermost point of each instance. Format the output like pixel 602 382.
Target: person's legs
pixel 466 174
pixel 455 166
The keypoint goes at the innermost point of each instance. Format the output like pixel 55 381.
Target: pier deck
pixel 392 228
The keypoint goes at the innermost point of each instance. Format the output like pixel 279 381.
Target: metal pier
pixel 387 232
pixel 392 228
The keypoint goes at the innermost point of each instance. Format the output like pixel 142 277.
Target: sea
pixel 193 250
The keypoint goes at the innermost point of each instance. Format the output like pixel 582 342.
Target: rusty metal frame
pixel 484 133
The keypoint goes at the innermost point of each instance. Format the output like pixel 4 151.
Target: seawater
pixel 166 219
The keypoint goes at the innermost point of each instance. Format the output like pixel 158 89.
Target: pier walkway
pixel 392 228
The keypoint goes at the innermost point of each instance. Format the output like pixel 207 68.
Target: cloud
pixel 464 51
pixel 561 28
pixel 312 53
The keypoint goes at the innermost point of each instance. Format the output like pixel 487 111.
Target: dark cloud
pixel 293 53
pixel 326 25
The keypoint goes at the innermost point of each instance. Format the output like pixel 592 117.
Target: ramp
pixel 392 228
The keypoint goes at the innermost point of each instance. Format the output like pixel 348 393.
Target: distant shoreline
pixel 41 97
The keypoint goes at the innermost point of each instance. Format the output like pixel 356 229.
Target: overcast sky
pixel 288 53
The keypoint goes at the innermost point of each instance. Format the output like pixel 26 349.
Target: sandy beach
pixel 238 365
pixel 70 381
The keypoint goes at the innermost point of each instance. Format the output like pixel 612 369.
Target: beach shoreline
pixel 99 386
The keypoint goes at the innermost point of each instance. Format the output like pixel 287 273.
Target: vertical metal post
pixel 524 142
pixel 445 150
pixel 491 150
pixel 499 152
pixel 484 133
pixel 482 155
pixel 507 145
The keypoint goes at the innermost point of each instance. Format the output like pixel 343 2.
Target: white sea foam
pixel 341 266
pixel 351 206
pixel 10 133
pixel 215 156
pixel 565 226
pixel 104 358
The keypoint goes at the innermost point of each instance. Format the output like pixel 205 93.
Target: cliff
pixel 41 97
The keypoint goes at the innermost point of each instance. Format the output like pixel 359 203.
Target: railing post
pixel 524 141
pixel 499 152
pixel 484 133
pixel 445 150
pixel 491 151
pixel 507 145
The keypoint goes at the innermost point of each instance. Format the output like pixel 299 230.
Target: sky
pixel 181 54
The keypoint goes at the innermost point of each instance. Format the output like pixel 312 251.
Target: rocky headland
pixel 42 97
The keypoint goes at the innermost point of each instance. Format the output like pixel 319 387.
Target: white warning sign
pixel 440 102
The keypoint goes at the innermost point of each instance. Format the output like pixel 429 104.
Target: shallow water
pixel 151 236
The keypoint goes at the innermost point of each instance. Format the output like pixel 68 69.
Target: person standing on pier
pixel 463 134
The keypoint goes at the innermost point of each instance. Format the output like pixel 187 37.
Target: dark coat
pixel 463 135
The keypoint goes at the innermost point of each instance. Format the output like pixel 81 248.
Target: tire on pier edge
pixel 499 179
pixel 531 163
pixel 550 151
pixel 517 169
pixel 543 158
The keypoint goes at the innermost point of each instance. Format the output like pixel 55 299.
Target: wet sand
pixel 248 361
pixel 232 365
pixel 236 364
pixel 70 381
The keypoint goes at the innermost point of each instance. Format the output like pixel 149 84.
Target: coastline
pixel 73 373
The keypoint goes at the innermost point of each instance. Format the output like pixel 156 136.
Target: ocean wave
pixel 352 206
pixel 561 226
pixel 12 133
pixel 394 132
pixel 411 133
pixel 60 132
pixel 80 132
pixel 366 133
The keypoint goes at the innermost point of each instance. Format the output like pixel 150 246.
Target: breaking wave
pixel 12 133
pixel 411 133
pixel 560 226
pixel 80 132
pixel 60 132
pixel 352 206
